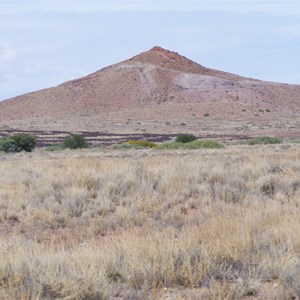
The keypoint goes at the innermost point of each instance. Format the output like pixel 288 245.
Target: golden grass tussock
pixel 205 224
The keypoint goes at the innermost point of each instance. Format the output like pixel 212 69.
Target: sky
pixel 45 43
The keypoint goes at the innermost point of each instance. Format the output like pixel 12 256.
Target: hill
pixel 159 91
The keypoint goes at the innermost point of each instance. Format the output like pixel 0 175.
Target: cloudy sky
pixel 44 43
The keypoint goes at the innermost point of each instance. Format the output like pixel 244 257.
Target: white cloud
pixel 7 54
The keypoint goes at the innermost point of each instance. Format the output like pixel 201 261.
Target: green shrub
pixel 264 140
pixel 140 143
pixel 17 143
pixel 8 145
pixel 24 141
pixel 75 141
pixel 191 145
pixel 185 138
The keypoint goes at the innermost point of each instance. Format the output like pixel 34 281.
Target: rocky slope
pixel 159 91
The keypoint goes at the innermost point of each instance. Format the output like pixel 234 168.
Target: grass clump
pixel 265 140
pixel 185 138
pixel 75 141
pixel 178 225
pixel 207 144
pixel 140 143
pixel 18 143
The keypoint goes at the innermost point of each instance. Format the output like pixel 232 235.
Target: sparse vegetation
pixel 264 140
pixel 75 141
pixel 190 145
pixel 141 143
pixel 18 143
pixel 185 138
pixel 219 224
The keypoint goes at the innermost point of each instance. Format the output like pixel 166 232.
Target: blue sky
pixel 44 43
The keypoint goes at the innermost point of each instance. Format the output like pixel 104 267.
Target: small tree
pixel 24 141
pixel 185 138
pixel 75 141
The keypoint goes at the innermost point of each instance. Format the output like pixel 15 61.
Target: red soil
pixel 159 91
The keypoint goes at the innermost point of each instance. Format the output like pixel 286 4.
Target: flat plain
pixel 150 224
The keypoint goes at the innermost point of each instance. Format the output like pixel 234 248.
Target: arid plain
pixel 149 224
pixel 117 223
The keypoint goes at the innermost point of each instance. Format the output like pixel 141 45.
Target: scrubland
pixel 149 224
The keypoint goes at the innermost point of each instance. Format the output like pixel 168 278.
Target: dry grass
pixel 205 224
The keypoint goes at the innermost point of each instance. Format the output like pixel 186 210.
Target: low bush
pixel 185 138
pixel 24 141
pixel 18 143
pixel 140 143
pixel 264 140
pixel 8 145
pixel 207 144
pixel 75 141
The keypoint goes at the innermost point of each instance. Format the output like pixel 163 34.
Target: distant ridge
pixel 158 91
